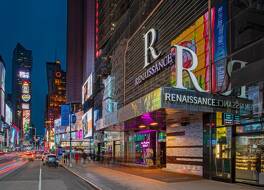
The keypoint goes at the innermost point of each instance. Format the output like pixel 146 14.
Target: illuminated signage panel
pixel 87 89
pixel 25 87
pixel 25 106
pixel 26 97
pixel 87 123
pixel 24 74
pixel 2 95
pixel 26 121
pixel 8 117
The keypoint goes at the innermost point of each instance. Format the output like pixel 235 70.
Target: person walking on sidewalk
pixel 65 158
pixel 77 157
pixel 84 156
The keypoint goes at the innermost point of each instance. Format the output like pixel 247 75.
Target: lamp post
pixel 70 115
pixel 72 120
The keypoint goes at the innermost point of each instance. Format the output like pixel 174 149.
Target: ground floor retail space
pixel 220 146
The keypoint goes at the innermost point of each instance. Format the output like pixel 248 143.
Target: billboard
pixel 25 106
pixel 2 76
pixel 57 126
pixel 196 38
pixel 23 74
pixel 8 118
pixel 65 112
pixel 87 89
pixel 2 95
pixel 25 87
pixel 26 97
pixel 26 121
pixel 87 123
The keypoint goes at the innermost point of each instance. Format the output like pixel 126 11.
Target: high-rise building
pixel 179 85
pixel 21 90
pixel 2 103
pixel 55 98
pixel 80 46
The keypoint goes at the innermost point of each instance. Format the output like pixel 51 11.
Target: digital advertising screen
pixel 8 114
pixel 87 89
pixel 26 121
pixel 87 123
pixel 196 38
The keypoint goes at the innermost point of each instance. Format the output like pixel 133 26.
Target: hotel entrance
pixel 219 146
pixel 233 150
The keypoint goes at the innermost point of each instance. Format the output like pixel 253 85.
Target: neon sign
pixel 25 87
pixel 145 144
pixel 24 74
pixel 26 97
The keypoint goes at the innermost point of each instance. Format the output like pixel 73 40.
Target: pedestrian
pixel 84 156
pixel 65 158
pixel 77 157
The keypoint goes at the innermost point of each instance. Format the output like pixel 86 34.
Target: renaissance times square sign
pixel 175 56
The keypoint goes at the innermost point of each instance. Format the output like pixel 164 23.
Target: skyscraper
pixel 21 88
pixel 80 46
pixel 2 103
pixel 55 98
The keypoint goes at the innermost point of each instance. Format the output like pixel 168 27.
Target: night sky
pixel 39 25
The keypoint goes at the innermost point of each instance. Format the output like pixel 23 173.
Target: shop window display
pixel 250 159
pixel 143 144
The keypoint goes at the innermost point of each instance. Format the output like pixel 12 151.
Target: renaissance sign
pixel 176 56
pixel 198 101
pixel 165 62
pixel 150 39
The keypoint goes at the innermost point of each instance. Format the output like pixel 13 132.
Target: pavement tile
pixel 112 177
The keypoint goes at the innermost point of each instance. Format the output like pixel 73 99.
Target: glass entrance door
pixel 221 149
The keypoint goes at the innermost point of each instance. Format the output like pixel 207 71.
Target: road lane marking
pixel 40 171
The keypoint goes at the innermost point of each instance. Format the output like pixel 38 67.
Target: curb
pixel 87 181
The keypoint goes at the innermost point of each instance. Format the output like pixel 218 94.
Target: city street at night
pixel 132 94
pixel 34 176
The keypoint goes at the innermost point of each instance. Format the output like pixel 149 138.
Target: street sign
pixel 73 118
pixel 65 113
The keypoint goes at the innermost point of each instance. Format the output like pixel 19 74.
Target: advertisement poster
pixel 220 43
pixel 65 112
pixel 196 38
pixel 2 95
pixel 8 117
pixel 87 123
pixel 87 89
pixel 25 87
pixel 2 75
pixel 26 122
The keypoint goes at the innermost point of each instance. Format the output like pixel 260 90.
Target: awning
pixel 185 100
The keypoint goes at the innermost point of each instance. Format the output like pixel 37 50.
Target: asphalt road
pixel 35 176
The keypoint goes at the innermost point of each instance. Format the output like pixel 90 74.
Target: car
pixel 43 157
pixel 30 156
pixel 51 160
pixel 38 155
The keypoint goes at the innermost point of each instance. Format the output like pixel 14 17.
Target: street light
pixel 72 120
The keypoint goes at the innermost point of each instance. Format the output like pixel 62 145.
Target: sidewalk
pixel 111 177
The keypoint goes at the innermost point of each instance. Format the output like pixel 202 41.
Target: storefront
pixel 145 138
pixel 187 103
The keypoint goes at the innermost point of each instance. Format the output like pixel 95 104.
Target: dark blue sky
pixel 39 25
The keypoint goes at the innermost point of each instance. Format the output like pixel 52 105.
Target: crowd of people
pixel 76 156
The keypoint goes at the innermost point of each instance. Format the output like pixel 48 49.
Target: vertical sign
pixel 65 112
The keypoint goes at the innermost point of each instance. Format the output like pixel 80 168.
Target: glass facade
pixel 228 41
